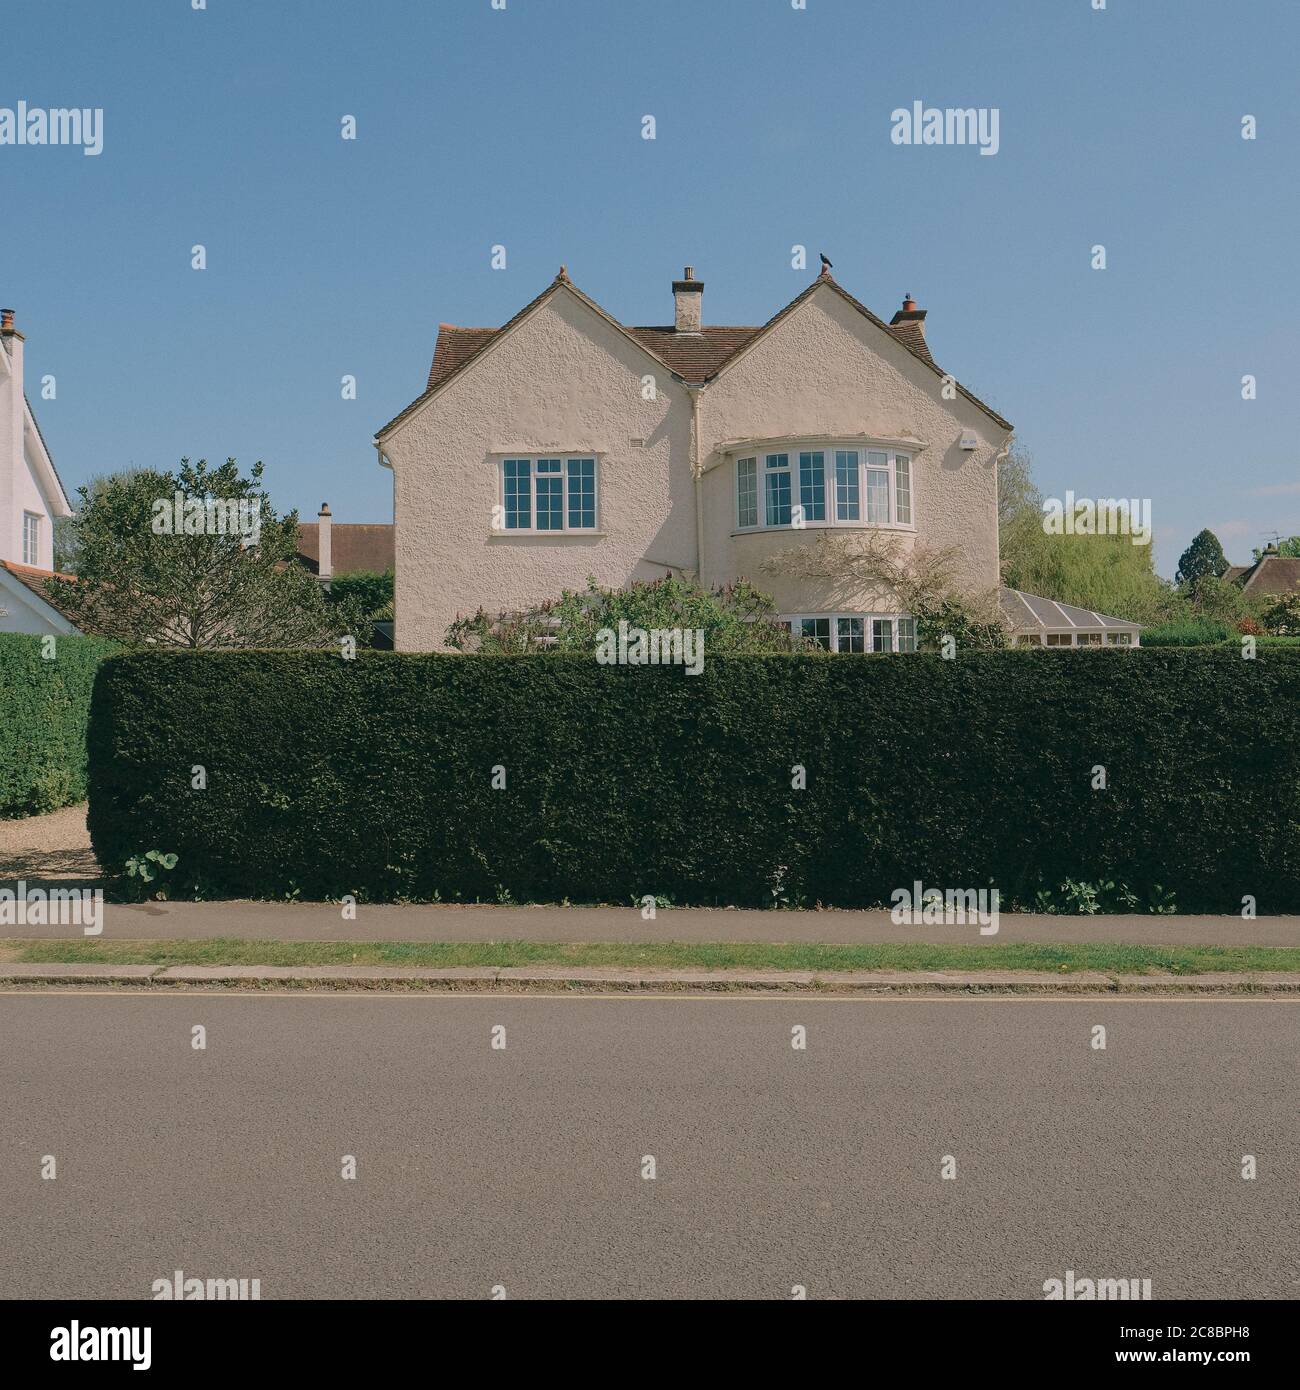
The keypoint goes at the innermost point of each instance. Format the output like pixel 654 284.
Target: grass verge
pixel 1112 958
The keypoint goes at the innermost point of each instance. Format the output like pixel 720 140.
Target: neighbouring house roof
pixel 33 579
pixel 354 547
pixel 1032 613
pixel 1270 574
pixel 694 357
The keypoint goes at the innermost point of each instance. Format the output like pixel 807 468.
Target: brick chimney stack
pixel 909 313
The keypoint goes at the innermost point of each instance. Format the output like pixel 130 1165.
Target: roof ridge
pixel 710 370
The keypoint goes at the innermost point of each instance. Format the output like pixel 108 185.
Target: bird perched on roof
pixel 826 265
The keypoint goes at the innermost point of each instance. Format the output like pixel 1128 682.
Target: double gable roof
pixel 693 358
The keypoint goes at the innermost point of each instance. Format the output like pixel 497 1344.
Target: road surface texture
pixel 325 922
pixel 523 1167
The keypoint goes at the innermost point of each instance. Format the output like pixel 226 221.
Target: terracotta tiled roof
pixel 354 547
pixel 912 337
pixel 1234 572
pixel 454 347
pixel 696 357
pixel 34 579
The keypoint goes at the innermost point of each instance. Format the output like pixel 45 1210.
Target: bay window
pixel 836 487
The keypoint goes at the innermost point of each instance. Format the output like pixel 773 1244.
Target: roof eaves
pixel 36 424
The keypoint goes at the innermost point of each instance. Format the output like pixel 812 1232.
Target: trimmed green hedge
pixel 374 776
pixel 1189 632
pixel 44 705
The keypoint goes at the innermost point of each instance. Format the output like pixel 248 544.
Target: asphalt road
pixel 388 922
pixel 522 1167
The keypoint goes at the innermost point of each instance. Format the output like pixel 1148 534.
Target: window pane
pixel 877 495
pixel 517 494
pixel 849 634
pixel 548 465
pixel 778 489
pixel 903 489
pixel 847 505
pixel 816 629
pixel 907 634
pixel 812 485
pixel 582 494
pixel 1058 639
pixel 550 498
pixel 882 635
pixel 747 492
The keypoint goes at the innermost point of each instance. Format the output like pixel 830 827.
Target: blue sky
pixel 523 127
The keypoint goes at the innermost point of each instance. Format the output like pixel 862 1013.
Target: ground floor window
pixel 854 632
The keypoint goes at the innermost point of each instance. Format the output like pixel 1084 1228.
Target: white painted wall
pixel 27 479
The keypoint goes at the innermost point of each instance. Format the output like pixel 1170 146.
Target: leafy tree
pixel 226 578
pixel 1212 596
pixel 734 619
pixel 1107 574
pixel 1282 617
pixel 371 589
pixel 1204 556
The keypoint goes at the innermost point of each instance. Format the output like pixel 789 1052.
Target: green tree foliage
pixel 734 619
pixel 1281 618
pixel 1204 556
pixel 1107 574
pixel 208 586
pixel 371 590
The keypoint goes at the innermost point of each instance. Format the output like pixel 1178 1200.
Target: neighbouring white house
pixel 566 444
pixel 31 497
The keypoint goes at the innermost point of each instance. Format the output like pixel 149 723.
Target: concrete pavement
pixel 444 922
pixel 640 979
pixel 522 1167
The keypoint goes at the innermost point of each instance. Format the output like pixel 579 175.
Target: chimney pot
pixel 6 320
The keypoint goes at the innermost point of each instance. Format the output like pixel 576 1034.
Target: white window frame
pixel 565 459
pixel 792 450
pixel 32 538
pixel 867 620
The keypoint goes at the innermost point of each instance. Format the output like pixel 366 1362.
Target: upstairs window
pixel 833 487
pixel 549 494
pixel 776 468
pixel 31 538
